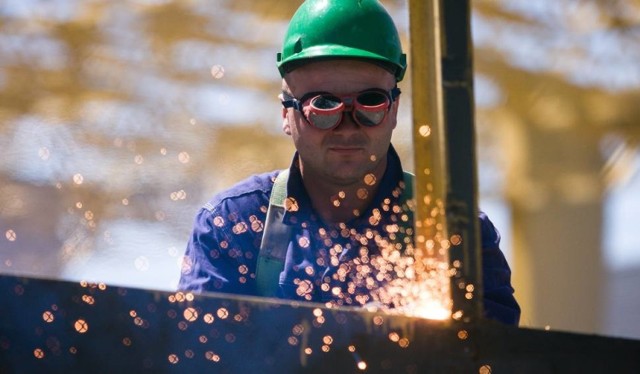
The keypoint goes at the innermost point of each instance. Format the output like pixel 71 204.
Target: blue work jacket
pixel 335 265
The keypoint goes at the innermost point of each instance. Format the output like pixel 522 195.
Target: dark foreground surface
pixel 53 326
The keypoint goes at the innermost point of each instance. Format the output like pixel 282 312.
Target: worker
pixel 327 228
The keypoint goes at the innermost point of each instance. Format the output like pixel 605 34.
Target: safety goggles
pixel 324 111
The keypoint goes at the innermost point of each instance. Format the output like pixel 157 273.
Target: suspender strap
pixel 275 240
pixel 277 234
pixel 408 186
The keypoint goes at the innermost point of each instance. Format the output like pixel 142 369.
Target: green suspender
pixel 276 236
pixel 408 186
pixel 275 240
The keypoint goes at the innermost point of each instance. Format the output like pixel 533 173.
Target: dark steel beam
pixel 444 141
pixel 54 326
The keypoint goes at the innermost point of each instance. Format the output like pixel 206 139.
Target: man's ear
pixel 286 126
pixel 394 112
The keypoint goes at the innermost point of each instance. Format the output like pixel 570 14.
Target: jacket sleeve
pixel 214 262
pixel 499 302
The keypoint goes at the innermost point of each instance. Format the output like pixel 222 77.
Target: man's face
pixel 345 154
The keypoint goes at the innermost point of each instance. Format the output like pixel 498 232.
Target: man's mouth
pixel 346 149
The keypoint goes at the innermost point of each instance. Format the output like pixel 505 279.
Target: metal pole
pixel 444 147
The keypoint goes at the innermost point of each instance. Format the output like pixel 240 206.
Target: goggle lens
pixel 325 102
pixel 324 121
pixel 372 98
pixel 370 119
pixel 324 111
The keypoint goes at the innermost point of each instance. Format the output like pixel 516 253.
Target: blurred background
pixel 118 120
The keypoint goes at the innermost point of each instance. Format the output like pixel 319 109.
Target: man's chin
pixel 347 176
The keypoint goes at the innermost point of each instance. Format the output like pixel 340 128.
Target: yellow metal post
pixel 428 144
pixel 444 150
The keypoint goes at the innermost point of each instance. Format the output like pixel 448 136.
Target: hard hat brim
pixel 337 52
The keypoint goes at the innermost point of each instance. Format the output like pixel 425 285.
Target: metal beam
pixel 444 146
pixel 53 326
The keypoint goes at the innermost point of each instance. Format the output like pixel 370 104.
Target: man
pixel 340 212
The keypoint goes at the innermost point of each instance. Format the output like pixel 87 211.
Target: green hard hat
pixel 352 29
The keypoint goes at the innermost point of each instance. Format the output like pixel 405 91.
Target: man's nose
pixel 347 123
